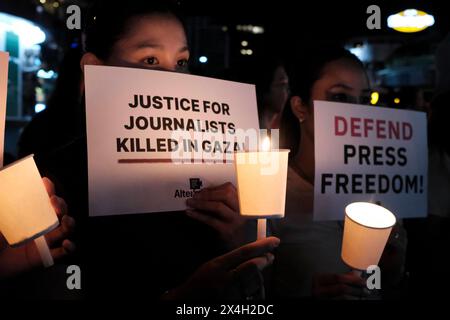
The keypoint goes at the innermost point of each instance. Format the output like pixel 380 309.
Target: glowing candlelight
pixel 25 210
pixel 265 145
pixel 366 230
pixel 261 183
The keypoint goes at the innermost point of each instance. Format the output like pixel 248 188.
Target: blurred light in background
pixel 244 43
pixel 39 107
pixel 410 20
pixel 361 51
pixel 203 59
pixel 246 52
pixel 47 74
pixel 397 100
pixel 250 28
pixel 28 32
pixel 374 96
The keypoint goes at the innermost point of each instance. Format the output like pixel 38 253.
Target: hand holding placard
pixel 161 126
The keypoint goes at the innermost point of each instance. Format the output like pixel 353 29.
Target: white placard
pixel 4 58
pixel 139 122
pixel 374 154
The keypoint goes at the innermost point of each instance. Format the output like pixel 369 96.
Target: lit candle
pixel 262 223
pixel 265 145
pixel 25 210
pixel 261 183
pixel 262 229
pixel 366 230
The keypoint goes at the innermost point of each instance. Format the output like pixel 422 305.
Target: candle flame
pixel 265 146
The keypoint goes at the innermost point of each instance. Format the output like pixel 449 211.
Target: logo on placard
pixel 195 184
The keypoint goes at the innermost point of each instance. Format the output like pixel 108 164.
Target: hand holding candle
pixel 261 182
pixel 366 231
pixel 262 229
pixel 218 207
pixel 27 212
pixel 19 259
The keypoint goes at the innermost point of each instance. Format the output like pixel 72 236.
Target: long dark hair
pixel 260 72
pixel 304 69
pixel 438 125
pixel 108 21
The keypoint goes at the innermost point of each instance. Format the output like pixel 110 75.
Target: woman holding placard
pixel 310 261
pixel 155 252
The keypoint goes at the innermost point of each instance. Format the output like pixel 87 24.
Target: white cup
pixel 261 182
pixel 366 230
pixel 25 209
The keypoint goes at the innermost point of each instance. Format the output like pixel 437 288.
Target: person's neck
pixel 303 162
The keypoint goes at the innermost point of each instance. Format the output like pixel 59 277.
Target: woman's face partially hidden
pixel 341 81
pixel 152 42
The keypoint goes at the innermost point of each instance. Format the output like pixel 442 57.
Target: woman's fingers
pixel 252 250
pixel 214 208
pixel 207 219
pixel 351 279
pixel 225 193
pixel 249 276
pixel 339 286
pixel 221 186
pixel 49 186
pixel 61 232
pixel 260 262
pixel 59 205
pixel 346 278
pixel 62 251
pixel 218 207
